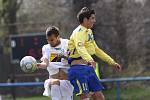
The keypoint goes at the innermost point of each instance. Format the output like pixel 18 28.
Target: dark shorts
pixel 84 79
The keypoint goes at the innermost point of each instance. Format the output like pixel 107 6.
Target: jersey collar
pixel 84 28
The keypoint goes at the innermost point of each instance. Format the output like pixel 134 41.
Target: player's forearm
pixel 105 57
pixel 42 65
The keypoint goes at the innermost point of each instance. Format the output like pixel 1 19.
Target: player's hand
pixel 92 63
pixel 38 65
pixel 54 82
pixel 117 67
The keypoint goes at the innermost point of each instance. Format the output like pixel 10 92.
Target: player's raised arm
pixel 79 40
pixel 43 64
pixel 103 56
pixel 44 59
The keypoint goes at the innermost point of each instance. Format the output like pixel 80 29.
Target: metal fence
pixel 116 80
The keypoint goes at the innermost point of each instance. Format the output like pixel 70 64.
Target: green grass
pixel 32 98
pixel 130 92
pixel 40 98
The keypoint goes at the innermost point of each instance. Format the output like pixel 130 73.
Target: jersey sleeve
pixel 64 52
pixel 79 40
pixel 102 55
pixel 45 52
pixel 65 47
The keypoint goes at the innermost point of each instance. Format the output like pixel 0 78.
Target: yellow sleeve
pixel 79 40
pixel 102 55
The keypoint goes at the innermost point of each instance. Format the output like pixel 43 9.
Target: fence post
pixel 118 90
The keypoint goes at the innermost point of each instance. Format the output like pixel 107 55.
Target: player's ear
pixel 58 37
pixel 85 20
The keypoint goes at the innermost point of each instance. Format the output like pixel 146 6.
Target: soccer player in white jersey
pixel 53 58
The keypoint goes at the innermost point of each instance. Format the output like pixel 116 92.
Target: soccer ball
pixel 28 64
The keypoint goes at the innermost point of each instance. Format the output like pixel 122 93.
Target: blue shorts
pixel 84 79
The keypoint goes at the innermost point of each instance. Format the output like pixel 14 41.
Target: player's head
pixel 86 17
pixel 52 36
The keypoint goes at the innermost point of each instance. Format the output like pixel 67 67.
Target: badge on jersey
pixel 54 57
pixel 90 37
pixel 80 44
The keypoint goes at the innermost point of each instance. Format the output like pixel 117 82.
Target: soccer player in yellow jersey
pixel 81 48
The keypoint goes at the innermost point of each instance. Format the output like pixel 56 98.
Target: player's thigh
pixel 93 82
pixel 78 78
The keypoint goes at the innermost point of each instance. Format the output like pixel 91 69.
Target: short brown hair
pixel 84 13
pixel 52 30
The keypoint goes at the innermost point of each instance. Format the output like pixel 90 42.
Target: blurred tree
pixel 78 4
pixel 147 38
pixel 8 19
pixel 9 14
pixel 121 32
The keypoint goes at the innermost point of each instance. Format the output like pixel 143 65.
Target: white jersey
pixel 51 54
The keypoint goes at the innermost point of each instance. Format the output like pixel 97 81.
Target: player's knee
pixel 98 96
pixel 84 97
pixel 103 97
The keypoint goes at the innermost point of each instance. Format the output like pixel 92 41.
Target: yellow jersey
pixel 82 44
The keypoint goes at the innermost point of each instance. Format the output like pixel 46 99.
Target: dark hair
pixel 52 30
pixel 84 13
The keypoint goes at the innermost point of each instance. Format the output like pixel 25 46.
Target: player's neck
pixel 85 25
pixel 58 43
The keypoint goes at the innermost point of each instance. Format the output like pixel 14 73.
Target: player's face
pixel 91 21
pixel 53 40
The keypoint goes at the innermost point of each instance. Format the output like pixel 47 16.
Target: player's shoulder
pixel 64 41
pixel 90 30
pixel 79 30
pixel 46 46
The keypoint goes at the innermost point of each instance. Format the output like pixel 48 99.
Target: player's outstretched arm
pixel 80 46
pixel 105 57
pixel 43 64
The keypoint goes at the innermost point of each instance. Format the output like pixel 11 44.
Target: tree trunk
pixel 121 32
pixel 10 8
